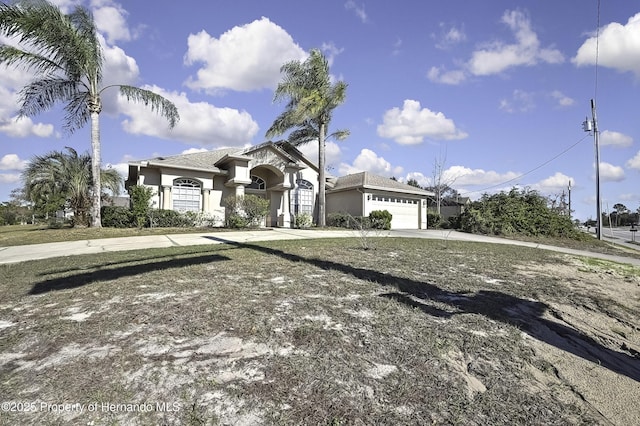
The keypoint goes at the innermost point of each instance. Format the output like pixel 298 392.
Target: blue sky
pixel 496 88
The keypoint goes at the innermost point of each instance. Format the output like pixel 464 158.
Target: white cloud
pixel 449 36
pixel 111 20
pixel 563 100
pixel 200 122
pixel 498 56
pixel 245 58
pixel 556 183
pixel 332 153
pixel 440 75
pixel 13 79
pixel 618 47
pixel 465 176
pixel 330 51
pixel 520 101
pixel 194 150
pixel 369 161
pixel 412 124
pixel 634 162
pixel 357 9
pixel 611 173
pixel 12 162
pixel 617 139
pixel 629 197
pixel 422 180
pixel 9 177
pixel 24 127
pixel 397 47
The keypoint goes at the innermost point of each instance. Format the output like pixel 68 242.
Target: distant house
pixel 278 172
pixel 451 207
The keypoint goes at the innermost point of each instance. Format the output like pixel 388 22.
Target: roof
pixel 204 161
pixel 368 180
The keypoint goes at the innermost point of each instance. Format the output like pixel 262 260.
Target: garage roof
pixel 366 180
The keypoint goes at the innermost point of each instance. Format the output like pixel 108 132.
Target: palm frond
pixel 76 112
pixel 41 94
pixel 156 102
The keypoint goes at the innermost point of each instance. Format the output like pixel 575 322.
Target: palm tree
pixel 65 55
pixel 311 101
pixel 61 178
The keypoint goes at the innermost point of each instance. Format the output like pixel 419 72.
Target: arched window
pixel 186 195
pixel 302 197
pixel 257 183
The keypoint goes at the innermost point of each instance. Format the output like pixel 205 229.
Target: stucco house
pixel 279 172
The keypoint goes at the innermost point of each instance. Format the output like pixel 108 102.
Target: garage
pixel 361 193
pixel 405 211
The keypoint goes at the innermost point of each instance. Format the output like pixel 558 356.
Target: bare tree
pixel 441 181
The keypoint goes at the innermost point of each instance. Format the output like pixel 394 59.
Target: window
pixel 302 197
pixel 257 183
pixel 186 195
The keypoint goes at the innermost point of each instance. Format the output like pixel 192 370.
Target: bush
pixel 433 220
pixel 237 221
pixel 303 220
pixel 169 219
pixel 380 219
pixel 246 211
pixel 116 217
pixel 140 196
pixel 339 220
pixel 523 212
pixel 202 220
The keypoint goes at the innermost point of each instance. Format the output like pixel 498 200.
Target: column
pixel 284 220
pixel 166 197
pixel 205 200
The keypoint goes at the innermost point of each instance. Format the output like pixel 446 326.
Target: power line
pixel 530 171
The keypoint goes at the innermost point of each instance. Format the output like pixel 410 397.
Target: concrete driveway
pixel 16 254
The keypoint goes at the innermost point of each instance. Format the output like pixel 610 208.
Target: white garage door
pixel 405 212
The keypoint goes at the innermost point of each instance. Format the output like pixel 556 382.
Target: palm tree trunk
pixel 96 221
pixel 321 178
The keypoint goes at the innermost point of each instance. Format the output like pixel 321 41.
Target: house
pixel 451 207
pixel 279 172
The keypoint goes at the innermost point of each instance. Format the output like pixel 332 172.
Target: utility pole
pixel 589 126
pixel 569 199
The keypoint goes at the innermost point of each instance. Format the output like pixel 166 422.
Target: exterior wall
pixel 345 202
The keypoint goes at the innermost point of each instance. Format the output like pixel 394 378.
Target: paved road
pixel 16 254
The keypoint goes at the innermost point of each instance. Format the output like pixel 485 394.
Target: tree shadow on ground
pixel 81 279
pixel 528 315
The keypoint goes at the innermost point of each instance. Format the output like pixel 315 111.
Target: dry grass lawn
pixel 321 332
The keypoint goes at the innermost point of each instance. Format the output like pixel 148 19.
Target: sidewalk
pixel 16 254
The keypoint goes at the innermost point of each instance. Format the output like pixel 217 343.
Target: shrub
pixel 380 219
pixel 170 219
pixel 522 212
pixel 116 217
pixel 339 220
pixel 303 220
pixel 433 219
pixel 140 196
pixel 202 219
pixel 237 221
pixel 248 209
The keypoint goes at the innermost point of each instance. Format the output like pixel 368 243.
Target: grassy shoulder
pixel 321 332
pixel 16 235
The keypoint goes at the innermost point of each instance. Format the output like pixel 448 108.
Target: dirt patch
pixel 323 333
